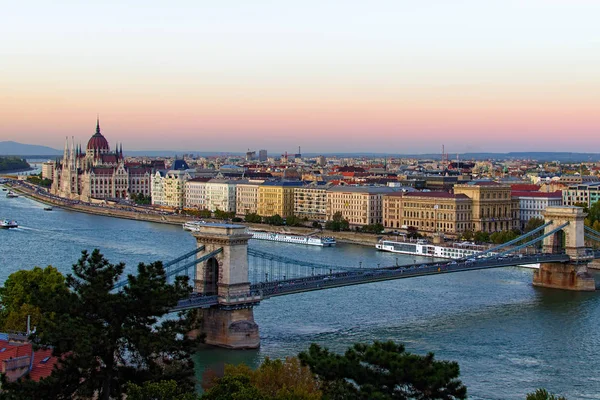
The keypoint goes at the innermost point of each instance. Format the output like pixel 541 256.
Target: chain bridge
pixel 230 279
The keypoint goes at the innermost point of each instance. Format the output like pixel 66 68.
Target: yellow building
pixel 276 198
pixel 428 212
pixel 493 208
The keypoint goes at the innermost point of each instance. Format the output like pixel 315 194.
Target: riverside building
pixel 97 173
pixel 493 207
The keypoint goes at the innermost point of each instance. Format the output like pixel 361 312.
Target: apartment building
pixel 587 194
pixel 360 205
pixel 277 198
pixel 532 204
pixel 311 201
pixel 195 193
pixel 220 194
pixel 246 198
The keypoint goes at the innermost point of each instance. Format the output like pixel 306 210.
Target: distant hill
pixel 10 148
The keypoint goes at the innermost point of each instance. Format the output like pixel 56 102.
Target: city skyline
pixel 383 77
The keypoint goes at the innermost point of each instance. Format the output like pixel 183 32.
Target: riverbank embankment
pixel 151 216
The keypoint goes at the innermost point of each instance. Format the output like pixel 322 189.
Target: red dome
pixel 98 142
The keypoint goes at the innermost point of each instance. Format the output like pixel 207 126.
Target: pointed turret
pixel 66 151
pixel 98 124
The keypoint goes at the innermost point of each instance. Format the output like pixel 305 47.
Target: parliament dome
pixel 98 142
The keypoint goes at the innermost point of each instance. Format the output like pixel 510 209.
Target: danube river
pixel 508 337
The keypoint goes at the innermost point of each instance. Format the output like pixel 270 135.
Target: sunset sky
pixel 350 76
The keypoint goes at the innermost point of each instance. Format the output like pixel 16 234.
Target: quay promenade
pixel 164 217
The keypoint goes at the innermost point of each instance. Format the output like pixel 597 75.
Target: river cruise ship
pixel 295 239
pixel 426 249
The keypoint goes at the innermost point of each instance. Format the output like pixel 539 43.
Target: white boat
pixel 6 224
pixel 426 249
pixel 193 226
pixel 295 239
pixel 462 250
pixel 11 194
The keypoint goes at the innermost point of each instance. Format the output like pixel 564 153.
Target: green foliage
pixel 13 164
pixel 481 237
pixel 383 370
pixel 293 220
pixel 593 215
pixel 468 235
pixel 253 218
pixel 139 198
pixel 223 214
pixel 162 390
pixel 533 223
pixel 37 180
pixel 108 338
pixel 317 225
pixel 273 380
pixel 236 219
pixel 235 387
pixel 37 292
pixel 542 394
pixel 503 236
pixel 337 223
pixel 199 213
pixel 276 220
pixel 374 228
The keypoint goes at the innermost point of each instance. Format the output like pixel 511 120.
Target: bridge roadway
pixel 265 290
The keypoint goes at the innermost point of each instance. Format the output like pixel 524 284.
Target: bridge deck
pixel 265 290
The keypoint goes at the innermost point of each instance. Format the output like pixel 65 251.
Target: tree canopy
pixel 383 370
pixel 273 380
pixel 337 223
pixel 37 293
pixel 108 338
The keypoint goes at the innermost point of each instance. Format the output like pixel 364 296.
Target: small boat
pixel 11 194
pixel 47 208
pixel 4 189
pixel 6 224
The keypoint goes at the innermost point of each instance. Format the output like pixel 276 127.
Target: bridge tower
pixel 230 323
pixel 570 240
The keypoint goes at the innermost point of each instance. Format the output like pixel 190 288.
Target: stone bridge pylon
pixel 570 240
pixel 231 322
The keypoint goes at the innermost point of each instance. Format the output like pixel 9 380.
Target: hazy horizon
pixel 398 76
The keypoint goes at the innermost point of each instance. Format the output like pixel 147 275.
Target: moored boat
pixel 6 224
pixel 11 194
pixel 193 226
pixel 48 208
pixel 325 241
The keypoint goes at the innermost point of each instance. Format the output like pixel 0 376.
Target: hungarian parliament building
pixel 98 173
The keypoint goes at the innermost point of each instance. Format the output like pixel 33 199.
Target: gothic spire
pixel 98 124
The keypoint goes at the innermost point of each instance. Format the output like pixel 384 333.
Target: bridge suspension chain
pixel 533 241
pixel 495 249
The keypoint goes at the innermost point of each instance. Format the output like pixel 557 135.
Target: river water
pixel 508 337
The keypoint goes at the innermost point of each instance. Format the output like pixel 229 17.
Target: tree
pixel 37 292
pixel 594 214
pixel 276 220
pixel 467 235
pixel 253 218
pixel 383 370
pixel 108 338
pixel 293 220
pixel 163 390
pixel 533 223
pixel 317 225
pixel 224 214
pixel 337 223
pixel 273 380
pixel 542 394
pixel 233 387
pixel 374 228
pixel 481 237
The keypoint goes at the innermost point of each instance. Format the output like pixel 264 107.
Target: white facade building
pixel 533 204
pixel 220 195
pixel 246 198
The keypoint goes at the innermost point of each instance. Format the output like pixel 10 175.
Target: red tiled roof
pixel 549 195
pixel 522 187
pixel 40 368
pixel 444 195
